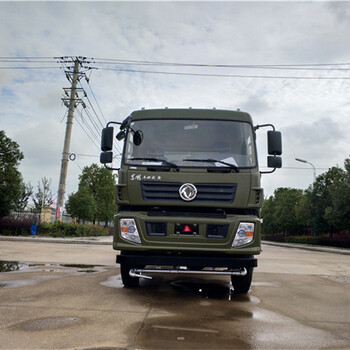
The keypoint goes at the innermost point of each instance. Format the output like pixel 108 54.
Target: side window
pixel 250 150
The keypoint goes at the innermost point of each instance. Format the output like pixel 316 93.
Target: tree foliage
pixel 279 211
pixel 43 197
pixel 81 205
pixel 100 183
pixel 323 208
pixel 10 178
pixel 337 213
pixel 26 191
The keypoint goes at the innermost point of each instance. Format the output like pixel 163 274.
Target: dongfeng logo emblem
pixel 188 192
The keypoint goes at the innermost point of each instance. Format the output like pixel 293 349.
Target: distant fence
pixel 66 218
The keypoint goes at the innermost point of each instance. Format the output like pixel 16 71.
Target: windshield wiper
pixel 211 160
pixel 163 161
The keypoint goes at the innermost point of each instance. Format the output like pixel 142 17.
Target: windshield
pixel 192 143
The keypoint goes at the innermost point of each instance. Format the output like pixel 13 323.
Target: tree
pixel 279 211
pixel 10 177
pixel 26 190
pixel 303 209
pixel 100 182
pixel 267 213
pixel 321 200
pixel 43 197
pixel 81 205
pixel 338 213
pixel 286 201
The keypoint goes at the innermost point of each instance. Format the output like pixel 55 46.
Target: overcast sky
pixel 313 115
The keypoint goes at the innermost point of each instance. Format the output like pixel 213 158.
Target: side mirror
pixel 106 157
pixel 138 137
pixel 274 162
pixel 274 143
pixel 107 139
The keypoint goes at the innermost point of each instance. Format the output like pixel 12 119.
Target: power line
pixel 98 105
pixel 116 146
pixel 92 132
pixel 93 109
pixel 309 66
pixel 29 68
pixel 20 60
pixel 225 75
pixel 86 155
pixel 65 114
pixel 87 134
pixel 93 123
pixel 68 59
pixel 26 57
pixel 64 60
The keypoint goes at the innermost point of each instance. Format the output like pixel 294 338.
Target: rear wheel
pixel 241 284
pixel 128 281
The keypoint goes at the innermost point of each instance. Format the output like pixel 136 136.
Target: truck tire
pixel 128 281
pixel 241 284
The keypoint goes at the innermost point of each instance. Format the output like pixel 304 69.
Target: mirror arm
pixel 113 123
pixel 264 126
pixel 109 168
pixel 118 123
pixel 267 172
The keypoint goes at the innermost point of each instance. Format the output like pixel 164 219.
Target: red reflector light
pixel 187 228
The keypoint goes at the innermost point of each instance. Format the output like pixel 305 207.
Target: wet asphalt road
pixel 298 300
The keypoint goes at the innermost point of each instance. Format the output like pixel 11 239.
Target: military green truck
pixel 188 195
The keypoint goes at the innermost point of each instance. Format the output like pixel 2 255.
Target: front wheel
pixel 241 284
pixel 128 281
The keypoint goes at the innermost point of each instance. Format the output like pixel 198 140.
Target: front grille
pixel 206 193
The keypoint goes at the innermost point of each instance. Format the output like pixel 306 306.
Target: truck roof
pixel 191 113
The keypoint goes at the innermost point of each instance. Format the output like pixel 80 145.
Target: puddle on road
pixel 79 266
pixel 191 287
pixel 203 289
pixel 11 266
pixel 42 272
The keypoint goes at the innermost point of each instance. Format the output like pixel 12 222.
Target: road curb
pixel 333 250
pixel 94 241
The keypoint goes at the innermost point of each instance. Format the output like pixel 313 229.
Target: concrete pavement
pixel 299 300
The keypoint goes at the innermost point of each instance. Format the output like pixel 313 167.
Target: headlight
pixel 244 234
pixel 128 230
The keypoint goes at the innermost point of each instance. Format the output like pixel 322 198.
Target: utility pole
pixel 65 153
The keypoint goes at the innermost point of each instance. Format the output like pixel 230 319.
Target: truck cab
pixel 188 195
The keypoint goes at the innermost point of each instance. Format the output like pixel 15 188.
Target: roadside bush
pixel 302 240
pixel 13 225
pixel 59 229
pixel 273 238
pixel 341 241
pixel 20 226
